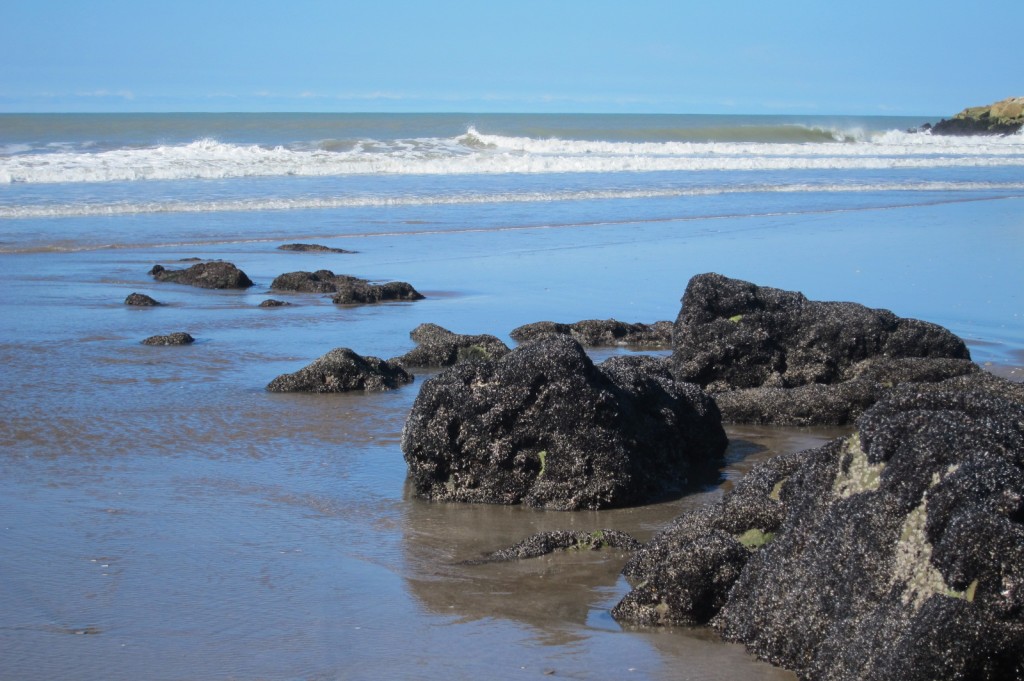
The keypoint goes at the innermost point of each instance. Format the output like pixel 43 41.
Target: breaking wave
pixel 475 152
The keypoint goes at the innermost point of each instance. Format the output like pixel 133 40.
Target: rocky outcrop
pixel 176 338
pixel 342 370
pixel 601 332
pixel 800 361
pixel 544 426
pixel 311 248
pixel 346 290
pixel 1002 118
pixel 439 347
pixel 894 553
pixel 216 274
pixel 141 300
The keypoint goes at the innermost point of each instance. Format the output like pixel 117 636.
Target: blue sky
pixel 905 58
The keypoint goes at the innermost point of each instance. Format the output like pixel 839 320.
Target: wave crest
pixel 475 152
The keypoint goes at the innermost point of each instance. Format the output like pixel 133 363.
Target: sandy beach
pixel 164 517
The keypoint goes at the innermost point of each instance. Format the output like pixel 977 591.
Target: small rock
pixel 214 275
pixel 601 332
pixel 177 338
pixel 342 370
pixel 439 347
pixel 311 248
pixel 141 300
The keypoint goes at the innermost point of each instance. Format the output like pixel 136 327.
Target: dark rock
pixel 601 332
pixel 141 300
pixel 321 281
pixel 772 356
pixel 544 543
pixel 347 290
pixel 439 347
pixel 733 334
pixel 271 302
pixel 840 403
pixel 894 553
pixel 177 338
pixel 358 292
pixel 901 550
pixel 219 275
pixel 311 248
pixel 545 427
pixel 342 370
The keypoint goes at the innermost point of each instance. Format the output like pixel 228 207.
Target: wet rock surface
pixel 543 543
pixel 346 290
pixel 311 248
pixel 215 275
pixel 272 302
pixel 342 370
pixel 439 347
pixel 176 338
pixel 894 553
pixel 141 300
pixel 797 361
pixel 544 426
pixel 601 332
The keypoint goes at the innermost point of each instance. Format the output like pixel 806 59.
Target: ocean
pixel 163 517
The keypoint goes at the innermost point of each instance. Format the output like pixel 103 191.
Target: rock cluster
pixel 544 426
pixel 601 332
pixel 1002 118
pixel 342 370
pixel 346 290
pixel 439 347
pixel 216 274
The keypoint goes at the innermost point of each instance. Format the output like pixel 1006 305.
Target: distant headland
pixel 1002 118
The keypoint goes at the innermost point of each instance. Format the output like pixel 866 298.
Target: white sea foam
pixel 370 201
pixel 480 153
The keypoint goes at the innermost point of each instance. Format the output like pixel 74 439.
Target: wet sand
pixel 163 517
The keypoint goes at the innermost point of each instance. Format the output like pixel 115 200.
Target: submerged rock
pixel 311 248
pixel 176 338
pixel 1002 118
pixel 141 300
pixel 601 332
pixel 217 275
pixel 544 426
pixel 342 370
pixel 439 347
pixel 347 290
pixel 798 361
pixel 271 302
pixel 543 543
pixel 894 553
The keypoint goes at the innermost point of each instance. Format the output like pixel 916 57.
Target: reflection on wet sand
pixel 565 594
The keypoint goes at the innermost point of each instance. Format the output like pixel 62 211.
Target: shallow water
pixel 163 517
